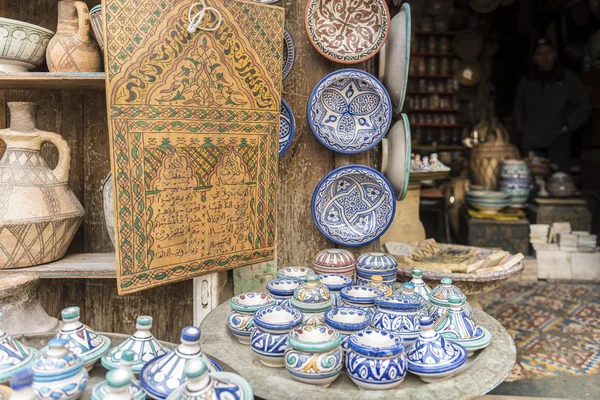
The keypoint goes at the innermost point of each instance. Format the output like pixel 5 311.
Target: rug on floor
pixel 556 327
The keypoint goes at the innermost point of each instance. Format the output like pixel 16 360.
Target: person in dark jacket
pixel 551 104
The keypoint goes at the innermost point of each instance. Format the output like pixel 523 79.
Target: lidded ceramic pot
pixel 376 359
pixel 377 283
pixel 81 339
pixel 13 355
pixel 161 376
pixel 347 320
pixel 334 261
pixel 335 283
pixel 126 363
pixel 376 263
pixel 294 272
pixel 400 314
pixel 438 299
pixel 420 286
pixel 283 289
pixel 459 328
pixel 240 320
pixel 433 358
pixel 21 384
pixel 314 354
pixel 143 344
pixel 269 338
pixel 362 297
pixel 312 299
pixel 117 386
pixel 59 374
pixel 408 289
pixel 202 385
pixel 561 184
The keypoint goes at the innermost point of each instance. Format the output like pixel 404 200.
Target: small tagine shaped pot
pixel 347 320
pixel 334 261
pixel 362 297
pixel 59 374
pixel 433 358
pixel 312 299
pixel 127 361
pixel 116 386
pixel 143 344
pixel 376 359
pixel 202 385
pixel 282 290
pixel 377 283
pixel 335 283
pixel 459 328
pixel 420 286
pixel 13 355
pixel 314 354
pixel 21 384
pixel 438 299
pixel 81 339
pixel 408 289
pixel 269 338
pixel 161 376
pixel 400 314
pixel 294 272
pixel 376 263
pixel 240 321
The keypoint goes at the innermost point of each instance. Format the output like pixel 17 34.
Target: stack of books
pixel 586 242
pixel 567 241
pixel 538 233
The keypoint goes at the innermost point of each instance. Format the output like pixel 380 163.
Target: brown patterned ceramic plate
pixel 347 31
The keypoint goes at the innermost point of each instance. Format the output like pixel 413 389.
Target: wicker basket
pixel 486 157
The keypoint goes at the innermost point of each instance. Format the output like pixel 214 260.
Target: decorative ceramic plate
pixel 347 31
pixel 349 111
pixel 287 127
pixel 353 205
pixel 289 53
pixel 395 157
pixel 395 58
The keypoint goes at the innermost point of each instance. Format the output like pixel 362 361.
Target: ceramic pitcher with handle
pixel 39 214
pixel 73 48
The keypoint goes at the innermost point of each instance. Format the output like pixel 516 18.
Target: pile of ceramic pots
pixel 315 325
pixel 488 201
pixel 515 180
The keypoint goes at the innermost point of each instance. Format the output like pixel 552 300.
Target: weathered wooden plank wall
pixel 81 118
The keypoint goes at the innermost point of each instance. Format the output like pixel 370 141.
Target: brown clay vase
pixel 21 307
pixel 73 48
pixel 39 214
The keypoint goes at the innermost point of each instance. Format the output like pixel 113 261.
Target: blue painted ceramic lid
pixel 361 294
pixel 57 362
pixel 277 318
pixel 14 356
pixel 460 328
pixel 376 343
pixel 402 302
pixel 377 262
pixel 312 295
pixel 347 318
pixel 283 286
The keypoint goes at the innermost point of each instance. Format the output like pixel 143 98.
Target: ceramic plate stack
pixel 538 233
pixel 488 201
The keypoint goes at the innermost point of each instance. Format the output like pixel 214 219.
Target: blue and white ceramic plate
pixel 287 127
pixel 349 111
pixel 353 205
pixel 289 52
pixel 395 57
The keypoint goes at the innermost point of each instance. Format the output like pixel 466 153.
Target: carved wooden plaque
pixel 194 125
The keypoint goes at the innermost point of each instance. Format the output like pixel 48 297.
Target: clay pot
pixel 561 185
pixel 73 49
pixel 39 214
pixel 20 304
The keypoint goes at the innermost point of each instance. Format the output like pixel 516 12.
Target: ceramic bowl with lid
pixel 14 356
pixel 347 320
pixel 400 314
pixel 314 355
pixel 283 290
pixel 240 321
pixel 269 338
pixel 377 283
pixel 376 263
pixel 335 283
pixel 438 299
pixel 334 261
pixel 312 298
pixel 362 297
pixel 375 359
pixel 294 272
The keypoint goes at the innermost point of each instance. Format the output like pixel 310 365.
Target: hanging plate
pixel 289 53
pixel 287 128
pixel 349 111
pixel 353 205
pixel 347 31
pixel 395 163
pixel 397 57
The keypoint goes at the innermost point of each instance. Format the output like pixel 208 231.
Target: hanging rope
pixel 196 14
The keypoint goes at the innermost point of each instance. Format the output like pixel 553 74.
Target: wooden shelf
pixel 83 265
pixel 439 76
pixel 433 125
pixel 427 54
pixel 434 110
pixel 434 33
pixel 433 149
pixel 53 80
pixel 436 92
